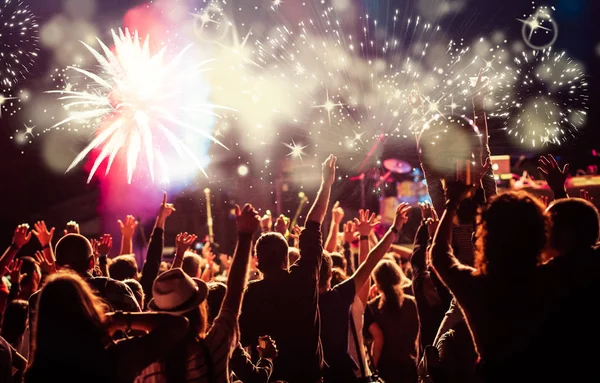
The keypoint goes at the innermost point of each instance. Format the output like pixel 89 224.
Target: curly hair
pixel 511 235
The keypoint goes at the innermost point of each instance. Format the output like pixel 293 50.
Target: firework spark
pixel 548 99
pixel 18 41
pixel 138 103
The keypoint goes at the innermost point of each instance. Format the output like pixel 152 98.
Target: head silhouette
pixel 272 253
pixel 574 225
pixel 511 235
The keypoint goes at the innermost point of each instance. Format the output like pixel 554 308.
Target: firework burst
pixel 139 103
pixel 18 42
pixel 545 101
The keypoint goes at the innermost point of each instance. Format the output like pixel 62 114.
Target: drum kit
pixel 400 183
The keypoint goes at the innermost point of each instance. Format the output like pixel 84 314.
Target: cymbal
pixel 397 166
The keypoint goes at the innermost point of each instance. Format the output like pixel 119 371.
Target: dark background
pixel 28 191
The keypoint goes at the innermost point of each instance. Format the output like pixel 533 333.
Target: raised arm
pixel 446 265
pixel 554 175
pixel 350 235
pixel 488 181
pixel 155 248
pixel 365 225
pixel 319 208
pixel 183 242
pixel 248 222
pixel 20 238
pixel 337 215
pixel 44 236
pixel 104 246
pixel 127 231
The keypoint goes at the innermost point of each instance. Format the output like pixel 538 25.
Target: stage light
pixel 243 170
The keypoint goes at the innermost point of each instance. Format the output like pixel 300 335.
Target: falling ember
pixel 137 104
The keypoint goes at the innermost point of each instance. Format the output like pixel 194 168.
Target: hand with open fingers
pixel 554 175
pixel 350 233
pixel 545 200
pixel 584 194
pixel 42 233
pixel 365 222
pixel 248 219
pixel 328 170
pixel 71 227
pixel 281 225
pixel 21 236
pixel 128 227
pixel 267 348
pixel 47 266
pixel 401 215
pixel 14 270
pixel 266 222
pixel 337 213
pixel 426 210
pixel 183 241
pixel 165 209
pixel 105 244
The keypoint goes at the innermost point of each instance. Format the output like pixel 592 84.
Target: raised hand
pixel 128 227
pixel 21 237
pixel 266 222
pixel 337 213
pixel 430 217
pixel 165 209
pixel 365 222
pixel 71 227
pixel 42 233
pixel 248 219
pixel 105 244
pixel 554 175
pixel 295 235
pixel 545 200
pixel 401 215
pixel 350 233
pixel 14 270
pixel 282 224
pixel 267 348
pixel 328 170
pixel 47 266
pixel 583 194
pixel 183 241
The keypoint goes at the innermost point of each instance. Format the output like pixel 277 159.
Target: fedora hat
pixel 176 292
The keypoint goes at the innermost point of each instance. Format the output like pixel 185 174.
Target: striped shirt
pixel 219 341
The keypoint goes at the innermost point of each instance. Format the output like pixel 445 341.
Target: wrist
pixel 46 246
pixel 395 230
pixel 15 247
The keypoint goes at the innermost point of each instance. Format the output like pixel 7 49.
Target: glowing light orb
pixel 243 170
pixel 139 104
